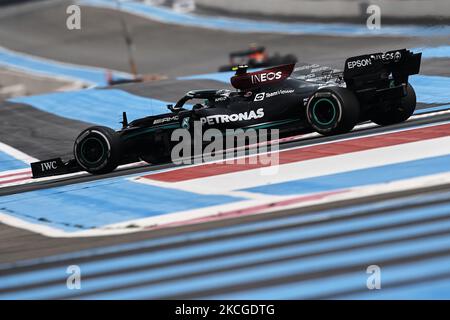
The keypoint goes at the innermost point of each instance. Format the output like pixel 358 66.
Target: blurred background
pixel 173 38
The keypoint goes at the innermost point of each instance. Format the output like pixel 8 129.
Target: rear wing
pixel 381 73
pixel 244 80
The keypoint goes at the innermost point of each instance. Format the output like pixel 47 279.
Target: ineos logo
pixel 49 166
pixel 268 76
pixel 388 56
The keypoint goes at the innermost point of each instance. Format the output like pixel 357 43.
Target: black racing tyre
pixel 97 150
pixel 332 110
pixel 405 108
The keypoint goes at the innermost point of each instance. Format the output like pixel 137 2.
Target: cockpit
pixel 209 97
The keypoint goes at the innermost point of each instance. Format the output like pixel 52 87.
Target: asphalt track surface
pixel 171 50
pixel 34 130
pixel 145 247
pixel 148 168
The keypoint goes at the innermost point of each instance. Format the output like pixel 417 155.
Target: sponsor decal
pixel 185 123
pixel 387 57
pixel 247 81
pixel 166 119
pixel 220 99
pixel 47 167
pixel 359 63
pixel 50 165
pixel 306 67
pixel 279 92
pixel 224 94
pixel 225 118
pixel 267 76
pixel 262 95
pixel 320 69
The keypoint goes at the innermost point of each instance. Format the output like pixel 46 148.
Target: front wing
pixel 53 167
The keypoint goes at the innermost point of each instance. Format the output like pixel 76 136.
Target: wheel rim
pixel 92 150
pixel 324 112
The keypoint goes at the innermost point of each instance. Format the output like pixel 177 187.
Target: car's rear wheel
pixel 332 110
pixel 399 113
pixel 97 150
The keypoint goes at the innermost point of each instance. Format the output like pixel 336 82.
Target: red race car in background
pixel 257 57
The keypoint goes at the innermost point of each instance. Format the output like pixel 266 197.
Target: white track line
pixel 17 154
pixel 353 193
pixel 188 217
pixel 224 183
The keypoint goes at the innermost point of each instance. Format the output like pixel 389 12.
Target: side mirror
pixel 170 107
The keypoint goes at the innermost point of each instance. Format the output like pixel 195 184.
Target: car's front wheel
pixel 97 150
pixel 332 110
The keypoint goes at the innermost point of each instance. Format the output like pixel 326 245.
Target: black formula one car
pixel 308 98
pixel 257 57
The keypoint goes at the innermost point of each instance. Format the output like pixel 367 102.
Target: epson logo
pixel 359 63
pixel 268 76
pixel 225 118
pixel 49 166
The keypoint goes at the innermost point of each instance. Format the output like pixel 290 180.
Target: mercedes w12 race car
pixel 257 57
pixel 308 98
